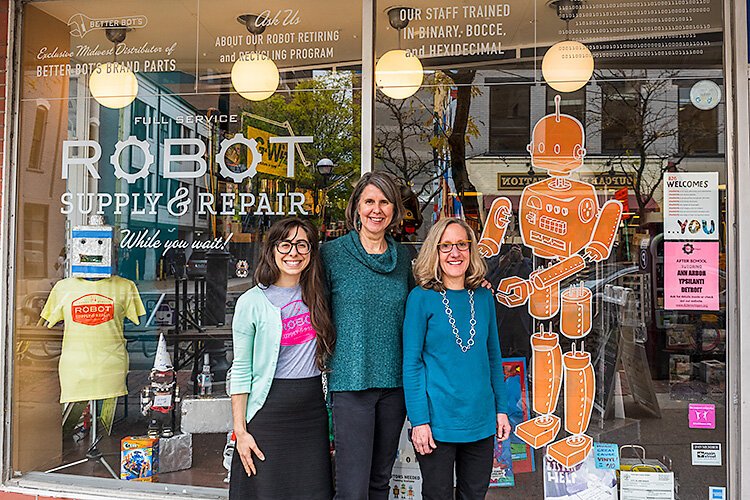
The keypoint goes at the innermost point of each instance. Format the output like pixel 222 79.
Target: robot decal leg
pixel 493 235
pixel 580 385
pixel 575 320
pixel 544 303
pixel 546 372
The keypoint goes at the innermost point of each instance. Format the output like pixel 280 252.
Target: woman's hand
pixel 246 446
pixel 421 437
pixel 503 427
pixel 486 284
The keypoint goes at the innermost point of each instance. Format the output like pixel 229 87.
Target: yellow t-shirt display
pixel 94 359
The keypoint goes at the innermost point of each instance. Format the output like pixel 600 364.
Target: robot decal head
pixel 91 249
pixel 557 143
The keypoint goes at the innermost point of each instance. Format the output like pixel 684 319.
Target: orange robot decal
pixel 560 220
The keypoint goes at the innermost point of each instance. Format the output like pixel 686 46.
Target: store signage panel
pixel 78 44
pixel 702 416
pixel 717 493
pixel 691 206
pixel 706 454
pixel 584 480
pixel 520 181
pixel 607 456
pixel 691 275
pixel 646 485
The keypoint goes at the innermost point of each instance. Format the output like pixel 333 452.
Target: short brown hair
pixel 390 189
pixel 427 272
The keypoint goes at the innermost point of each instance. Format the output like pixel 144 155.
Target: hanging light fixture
pixel 255 76
pixel 112 84
pixel 567 66
pixel 398 73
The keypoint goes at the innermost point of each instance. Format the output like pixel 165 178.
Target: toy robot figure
pixel 560 220
pixel 158 399
pixel 91 249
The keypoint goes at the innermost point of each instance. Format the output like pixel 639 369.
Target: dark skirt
pixel 291 429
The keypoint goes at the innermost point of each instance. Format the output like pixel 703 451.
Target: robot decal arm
pixel 604 233
pixel 514 291
pixel 497 224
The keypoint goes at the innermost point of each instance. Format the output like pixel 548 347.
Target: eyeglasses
pixel 285 246
pixel 462 246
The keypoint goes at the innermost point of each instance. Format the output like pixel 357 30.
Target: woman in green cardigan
pixel 369 278
pixel 283 337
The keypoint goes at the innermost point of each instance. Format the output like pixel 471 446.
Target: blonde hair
pixel 427 271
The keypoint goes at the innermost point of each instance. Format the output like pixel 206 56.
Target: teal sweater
pixel 458 393
pixel 368 299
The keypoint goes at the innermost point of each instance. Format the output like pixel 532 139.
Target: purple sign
pixel 702 416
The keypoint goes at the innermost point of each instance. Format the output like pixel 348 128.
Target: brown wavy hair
pixel 427 271
pixel 312 282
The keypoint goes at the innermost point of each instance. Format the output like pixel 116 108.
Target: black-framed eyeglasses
pixel 462 245
pixel 285 246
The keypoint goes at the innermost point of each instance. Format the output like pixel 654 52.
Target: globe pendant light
pixel 567 66
pixel 255 76
pixel 398 73
pixel 113 85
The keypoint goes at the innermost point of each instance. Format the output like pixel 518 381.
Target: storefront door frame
pixel 738 247
pixel 8 236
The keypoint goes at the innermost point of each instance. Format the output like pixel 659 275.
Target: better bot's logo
pixel 93 309
pixel 81 24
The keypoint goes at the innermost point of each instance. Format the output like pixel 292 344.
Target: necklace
pixel 452 321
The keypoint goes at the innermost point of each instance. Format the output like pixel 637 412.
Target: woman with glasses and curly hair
pixel 453 374
pixel 283 337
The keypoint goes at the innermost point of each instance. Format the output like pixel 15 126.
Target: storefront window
pixel 638 129
pixel 510 119
pixel 153 158
pixel 131 112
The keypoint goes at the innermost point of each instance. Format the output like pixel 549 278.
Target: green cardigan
pixel 368 300
pixel 256 336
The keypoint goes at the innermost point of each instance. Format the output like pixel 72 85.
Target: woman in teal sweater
pixel 453 374
pixel 369 278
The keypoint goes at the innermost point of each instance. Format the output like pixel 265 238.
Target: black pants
pixel 473 463
pixel 366 429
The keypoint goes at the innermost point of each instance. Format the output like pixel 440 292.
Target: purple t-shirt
pixel 298 341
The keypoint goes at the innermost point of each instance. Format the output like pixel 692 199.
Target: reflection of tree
pixel 324 107
pixel 398 142
pixel 635 108
pixel 463 79
pixel 411 138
